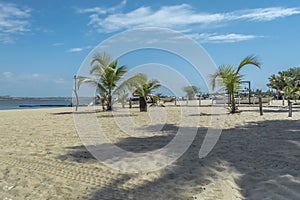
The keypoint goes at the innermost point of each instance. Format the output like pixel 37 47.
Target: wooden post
pixel 75 92
pixel 290 107
pixel 260 106
pixel 249 92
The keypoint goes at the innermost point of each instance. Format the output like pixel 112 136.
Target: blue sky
pixel 43 43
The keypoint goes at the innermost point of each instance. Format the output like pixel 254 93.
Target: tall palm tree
pixel 230 78
pixel 109 79
pixel 144 90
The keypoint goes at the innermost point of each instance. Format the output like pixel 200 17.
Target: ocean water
pixel 8 104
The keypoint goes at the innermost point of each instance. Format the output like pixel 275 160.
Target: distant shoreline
pixel 12 103
pixel 33 98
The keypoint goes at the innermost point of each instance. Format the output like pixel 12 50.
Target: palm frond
pixel 102 58
pixel 113 64
pixel 147 87
pixel 132 83
pixel 120 72
pixel 95 83
pixel 222 75
pixel 153 84
pixel 97 70
pixel 83 79
pixel 213 80
pixel 249 60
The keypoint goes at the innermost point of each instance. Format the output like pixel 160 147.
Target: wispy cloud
pixel 13 21
pixel 265 14
pixel 179 17
pixel 7 75
pixel 12 77
pixel 102 10
pixel 78 49
pixel 58 44
pixel 221 38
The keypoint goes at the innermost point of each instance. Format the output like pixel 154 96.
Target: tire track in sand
pixel 88 175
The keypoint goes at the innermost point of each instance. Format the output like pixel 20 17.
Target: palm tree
pixel 108 78
pixel 291 91
pixel 230 78
pixel 191 91
pixel 284 80
pixel 144 90
pixel 122 97
pixel 277 82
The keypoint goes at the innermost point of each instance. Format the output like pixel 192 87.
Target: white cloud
pixel 221 38
pixel 179 17
pixel 103 11
pixel 97 10
pixel 13 21
pixel 78 49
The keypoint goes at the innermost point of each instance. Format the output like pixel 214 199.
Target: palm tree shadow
pixel 272 110
pixel 262 152
pixel 76 112
pixel 130 144
pixel 206 114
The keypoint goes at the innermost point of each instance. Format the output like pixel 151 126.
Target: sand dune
pixel 256 157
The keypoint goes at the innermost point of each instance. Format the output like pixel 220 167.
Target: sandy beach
pixel 256 157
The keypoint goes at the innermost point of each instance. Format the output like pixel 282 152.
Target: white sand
pixel 256 157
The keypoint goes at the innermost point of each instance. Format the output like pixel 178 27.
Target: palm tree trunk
pixel 143 104
pixel 233 107
pixel 103 103
pixel 109 103
pixel 290 108
pixel 130 102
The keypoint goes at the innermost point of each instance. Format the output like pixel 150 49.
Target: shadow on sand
pixel 258 163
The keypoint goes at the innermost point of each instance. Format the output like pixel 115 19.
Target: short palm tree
pixel 191 91
pixel 230 78
pixel 108 78
pixel 144 90
pixel 286 83
pixel 277 82
pixel 122 97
